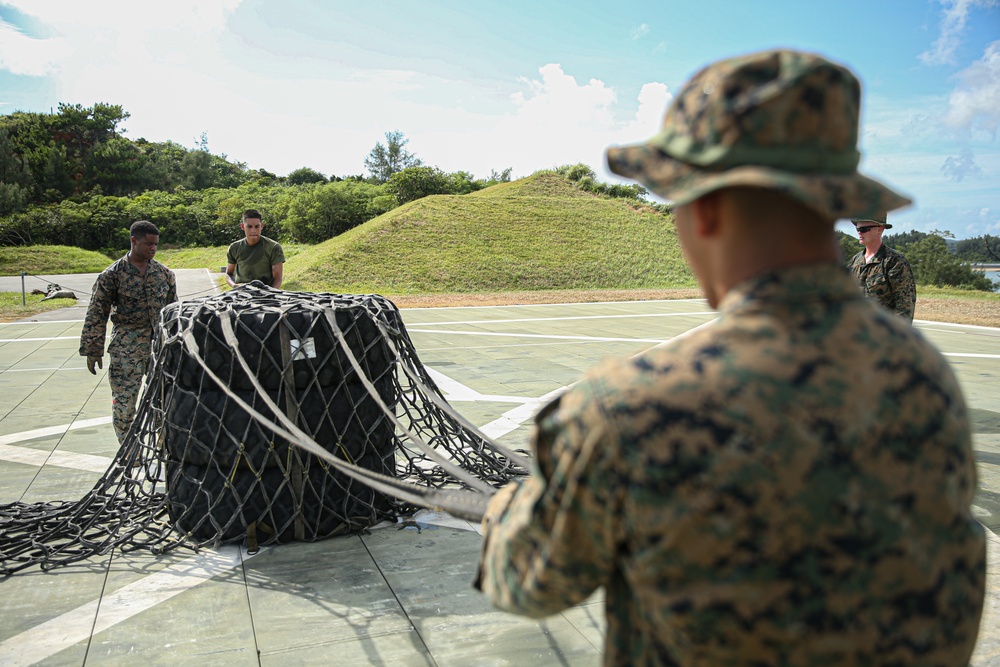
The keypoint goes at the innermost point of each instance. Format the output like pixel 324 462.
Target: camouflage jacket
pixel 789 486
pixel 133 301
pixel 887 278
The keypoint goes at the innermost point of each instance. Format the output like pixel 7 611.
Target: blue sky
pixel 281 84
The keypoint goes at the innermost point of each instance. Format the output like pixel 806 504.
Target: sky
pixel 524 84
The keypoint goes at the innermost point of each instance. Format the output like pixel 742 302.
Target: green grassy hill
pixel 50 259
pixel 538 233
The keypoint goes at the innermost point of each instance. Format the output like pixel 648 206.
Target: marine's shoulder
pixel 118 266
pixel 893 254
pixel 159 266
pixel 657 368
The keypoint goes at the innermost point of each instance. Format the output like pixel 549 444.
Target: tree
pixel 903 241
pixel 56 181
pixel 80 129
pixel 16 182
pixel 324 211
pixel 500 176
pixel 13 198
pixel 849 246
pixel 305 175
pixel 933 264
pixel 983 248
pixel 414 183
pixel 116 165
pixel 462 183
pixel 384 161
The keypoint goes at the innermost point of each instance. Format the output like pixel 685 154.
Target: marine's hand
pixel 91 361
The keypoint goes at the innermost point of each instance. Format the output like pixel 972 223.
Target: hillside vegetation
pixel 540 239
pixel 43 260
pixel 539 233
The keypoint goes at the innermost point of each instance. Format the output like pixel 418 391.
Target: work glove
pixel 91 360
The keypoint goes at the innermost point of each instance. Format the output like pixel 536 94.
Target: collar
pixel 798 284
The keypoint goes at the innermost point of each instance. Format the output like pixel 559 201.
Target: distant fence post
pixel 24 299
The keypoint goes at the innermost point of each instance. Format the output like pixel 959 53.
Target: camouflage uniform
pixel 742 498
pixel 888 279
pixel 133 301
pixel 790 486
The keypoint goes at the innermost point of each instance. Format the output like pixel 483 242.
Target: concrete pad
pixel 400 595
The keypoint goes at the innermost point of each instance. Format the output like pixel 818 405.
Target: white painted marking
pixel 36 323
pixel 457 392
pixel 566 319
pixel 972 355
pixel 585 339
pixel 39 458
pixel 37 340
pixel 508 421
pixel 61 459
pixel 560 305
pixel 512 419
pixel 36 370
pixel 45 640
pixel 11 438
pixel 952 324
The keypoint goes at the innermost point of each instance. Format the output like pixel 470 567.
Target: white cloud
pixel 558 103
pixel 553 120
pixel 105 42
pixel 974 105
pixel 557 121
pixel 961 166
pixel 640 32
pixel 27 56
pixel 956 15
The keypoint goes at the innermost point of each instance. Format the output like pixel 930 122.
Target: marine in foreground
pixel 791 485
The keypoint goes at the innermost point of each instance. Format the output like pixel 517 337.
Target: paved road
pixel 191 283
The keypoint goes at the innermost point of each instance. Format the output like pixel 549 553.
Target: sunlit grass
pixel 11 307
pixel 930 291
pixel 508 239
pixel 42 260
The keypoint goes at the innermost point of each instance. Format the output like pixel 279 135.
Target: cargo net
pixel 270 416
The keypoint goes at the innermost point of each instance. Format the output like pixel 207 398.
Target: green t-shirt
pixel 254 262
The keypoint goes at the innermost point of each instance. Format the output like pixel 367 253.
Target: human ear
pixel 707 214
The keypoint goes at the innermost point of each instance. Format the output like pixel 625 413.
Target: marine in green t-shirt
pixel 255 257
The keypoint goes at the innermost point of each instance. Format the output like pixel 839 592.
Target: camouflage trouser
pixel 125 375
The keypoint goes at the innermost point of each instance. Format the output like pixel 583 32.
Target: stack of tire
pixel 228 475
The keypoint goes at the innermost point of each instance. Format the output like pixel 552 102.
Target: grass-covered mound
pixel 538 233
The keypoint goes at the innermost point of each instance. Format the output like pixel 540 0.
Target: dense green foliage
pixel 849 246
pixel 72 178
pixel 80 152
pixel 984 248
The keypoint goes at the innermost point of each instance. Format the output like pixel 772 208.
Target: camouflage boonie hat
pixel 783 120
pixel 877 219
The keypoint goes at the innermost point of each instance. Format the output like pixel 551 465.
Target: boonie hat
pixel 781 119
pixel 877 219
